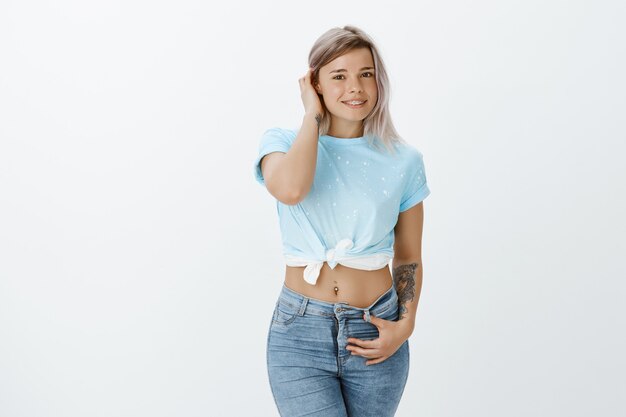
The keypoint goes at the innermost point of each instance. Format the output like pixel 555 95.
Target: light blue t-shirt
pixel 357 193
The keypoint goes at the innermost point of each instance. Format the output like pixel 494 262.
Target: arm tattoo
pixel 318 119
pixel 404 280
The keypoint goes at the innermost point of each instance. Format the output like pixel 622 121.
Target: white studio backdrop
pixel 140 261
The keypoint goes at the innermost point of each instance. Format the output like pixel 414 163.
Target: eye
pixel 367 72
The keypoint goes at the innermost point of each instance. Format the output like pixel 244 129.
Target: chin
pixel 358 117
pixel 352 114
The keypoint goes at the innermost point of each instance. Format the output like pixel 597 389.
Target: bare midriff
pixel 356 287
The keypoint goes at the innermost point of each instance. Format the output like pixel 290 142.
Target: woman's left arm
pixel 407 269
pixel 407 279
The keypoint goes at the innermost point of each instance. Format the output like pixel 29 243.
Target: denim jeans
pixel 311 373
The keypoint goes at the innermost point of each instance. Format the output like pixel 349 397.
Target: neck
pixel 345 130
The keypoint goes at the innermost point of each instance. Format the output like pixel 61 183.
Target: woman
pixel 349 195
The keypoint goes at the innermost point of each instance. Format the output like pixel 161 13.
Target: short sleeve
pixel 274 139
pixel 416 189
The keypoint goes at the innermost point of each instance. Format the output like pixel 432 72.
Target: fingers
pixel 366 353
pixel 364 343
pixel 373 355
pixel 365 348
pixel 307 77
pixel 376 321
pixel 375 361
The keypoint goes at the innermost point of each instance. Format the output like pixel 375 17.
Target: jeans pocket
pixel 391 313
pixel 284 314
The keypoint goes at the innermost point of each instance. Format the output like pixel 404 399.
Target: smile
pixel 354 104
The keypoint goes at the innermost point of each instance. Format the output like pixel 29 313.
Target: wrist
pixel 315 116
pixel 407 326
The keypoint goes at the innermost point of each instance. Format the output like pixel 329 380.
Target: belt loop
pixel 305 300
pixel 367 316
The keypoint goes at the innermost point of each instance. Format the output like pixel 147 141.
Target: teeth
pixel 354 102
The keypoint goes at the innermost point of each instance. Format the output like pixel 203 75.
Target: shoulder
pixel 280 132
pixel 409 153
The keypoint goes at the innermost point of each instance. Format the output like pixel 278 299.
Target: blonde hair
pixel 336 42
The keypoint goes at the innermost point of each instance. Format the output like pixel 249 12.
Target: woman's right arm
pixel 289 176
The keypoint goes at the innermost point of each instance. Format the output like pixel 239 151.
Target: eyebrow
pixel 343 70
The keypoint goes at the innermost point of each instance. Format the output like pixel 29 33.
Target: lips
pixel 360 104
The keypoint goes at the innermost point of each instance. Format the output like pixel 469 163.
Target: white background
pixel 140 261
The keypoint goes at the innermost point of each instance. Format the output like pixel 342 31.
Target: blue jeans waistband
pixel 311 306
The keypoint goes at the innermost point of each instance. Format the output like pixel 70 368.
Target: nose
pixel 355 87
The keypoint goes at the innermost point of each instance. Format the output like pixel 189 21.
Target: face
pixel 348 77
